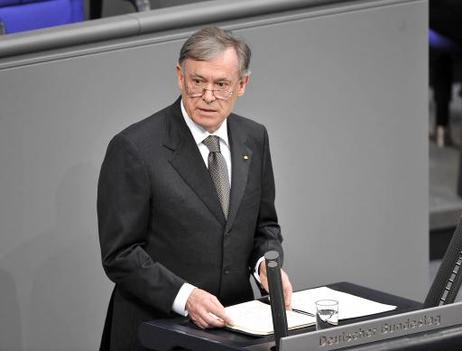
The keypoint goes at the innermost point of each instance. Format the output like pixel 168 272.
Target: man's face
pixel 221 72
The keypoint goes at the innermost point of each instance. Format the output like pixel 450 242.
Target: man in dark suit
pixel 186 200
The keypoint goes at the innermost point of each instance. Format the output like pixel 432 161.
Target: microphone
pixel 278 310
pixel 449 277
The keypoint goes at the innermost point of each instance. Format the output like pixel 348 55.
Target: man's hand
pixel 286 285
pixel 205 310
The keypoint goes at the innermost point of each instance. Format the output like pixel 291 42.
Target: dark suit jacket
pixel 161 224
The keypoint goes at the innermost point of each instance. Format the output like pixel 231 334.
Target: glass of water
pixel 326 314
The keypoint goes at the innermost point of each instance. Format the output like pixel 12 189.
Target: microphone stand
pixel 278 310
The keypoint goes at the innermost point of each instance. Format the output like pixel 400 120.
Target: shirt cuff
pixel 179 304
pixel 255 272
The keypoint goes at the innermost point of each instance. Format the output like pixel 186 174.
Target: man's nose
pixel 208 96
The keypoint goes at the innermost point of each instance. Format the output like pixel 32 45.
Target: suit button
pixel 226 271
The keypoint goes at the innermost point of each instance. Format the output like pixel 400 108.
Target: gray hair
pixel 211 41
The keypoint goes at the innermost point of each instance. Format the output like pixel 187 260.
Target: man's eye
pixel 222 85
pixel 197 81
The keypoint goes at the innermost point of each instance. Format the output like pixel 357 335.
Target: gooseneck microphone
pixel 278 310
pixel 448 280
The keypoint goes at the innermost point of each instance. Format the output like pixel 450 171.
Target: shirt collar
pixel 199 133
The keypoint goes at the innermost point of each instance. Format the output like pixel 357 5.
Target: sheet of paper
pixel 350 306
pixel 254 317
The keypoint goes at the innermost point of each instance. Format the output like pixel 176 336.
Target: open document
pixel 254 317
pixel 349 306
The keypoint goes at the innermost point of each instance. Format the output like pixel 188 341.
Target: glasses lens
pixel 222 94
pixel 195 92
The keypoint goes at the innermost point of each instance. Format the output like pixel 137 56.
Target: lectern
pixel 168 334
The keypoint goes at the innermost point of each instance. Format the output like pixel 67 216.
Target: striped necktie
pixel 218 171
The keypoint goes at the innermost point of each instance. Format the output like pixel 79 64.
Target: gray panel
pixel 152 21
pixel 357 206
pixel 330 89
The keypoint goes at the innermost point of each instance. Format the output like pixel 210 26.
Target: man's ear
pixel 180 77
pixel 243 84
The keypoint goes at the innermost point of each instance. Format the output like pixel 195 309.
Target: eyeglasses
pixel 197 88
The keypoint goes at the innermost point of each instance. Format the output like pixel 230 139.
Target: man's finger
pixel 219 313
pixel 288 299
pixel 199 322
pixel 214 321
pixel 287 288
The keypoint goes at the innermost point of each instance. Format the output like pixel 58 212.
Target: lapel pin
pixel 246 157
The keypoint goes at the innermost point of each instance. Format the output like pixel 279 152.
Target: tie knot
pixel 213 143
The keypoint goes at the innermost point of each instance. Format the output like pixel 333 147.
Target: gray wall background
pixel 342 89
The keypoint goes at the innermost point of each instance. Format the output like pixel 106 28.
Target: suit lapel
pixel 241 156
pixel 188 162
